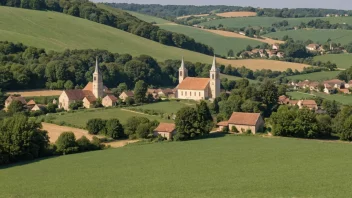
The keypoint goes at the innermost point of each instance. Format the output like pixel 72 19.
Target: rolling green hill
pixel 221 44
pixel 316 76
pixel 341 60
pixel 56 31
pixel 320 36
pixel 240 166
pixel 268 21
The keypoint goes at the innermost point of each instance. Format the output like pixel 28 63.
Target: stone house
pixel 310 104
pixel 312 47
pixel 244 122
pixel 198 88
pixel 335 83
pixel 31 104
pixel 126 94
pixel 109 101
pixel 38 107
pixel 276 47
pixel 10 99
pixel 166 130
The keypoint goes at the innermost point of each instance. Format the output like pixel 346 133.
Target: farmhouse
pixel 38 107
pixel 276 47
pixel 243 122
pixel 310 104
pixel 166 130
pixel 312 47
pixel 88 95
pixel 198 88
pixel 10 99
pixel 109 101
pixel 126 94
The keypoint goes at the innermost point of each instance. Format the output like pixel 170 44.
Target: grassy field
pixel 167 106
pixel 221 44
pixel 237 78
pixel 144 17
pixel 319 36
pixel 316 76
pixel 231 166
pixel 341 60
pixel 343 99
pixel 268 21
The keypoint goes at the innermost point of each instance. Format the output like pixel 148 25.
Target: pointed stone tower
pixel 214 80
pixel 97 82
pixel 182 72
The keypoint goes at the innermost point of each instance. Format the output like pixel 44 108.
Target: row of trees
pixel 304 123
pixel 170 12
pixel 22 139
pixel 117 19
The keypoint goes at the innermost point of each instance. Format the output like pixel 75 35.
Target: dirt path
pixel 236 14
pixel 54 132
pixel 236 35
pixel 38 92
pixel 195 15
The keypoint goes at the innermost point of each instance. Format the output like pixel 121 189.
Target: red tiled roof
pixel 334 81
pixel 129 93
pixel 223 123
pixel 89 87
pixel 191 83
pixel 165 127
pixel 78 94
pixel 112 98
pixel 244 118
pixel 31 102
pixel 293 102
pixel 17 98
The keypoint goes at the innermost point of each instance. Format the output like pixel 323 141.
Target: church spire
pixel 182 64
pixel 213 67
pixel 96 65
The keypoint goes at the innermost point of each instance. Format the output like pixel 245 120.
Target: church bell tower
pixel 97 82
pixel 214 80
pixel 182 72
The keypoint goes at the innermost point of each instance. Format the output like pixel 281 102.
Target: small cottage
pixel 166 130
pixel 109 101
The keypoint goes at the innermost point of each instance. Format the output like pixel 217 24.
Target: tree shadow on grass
pixel 26 162
pixel 212 136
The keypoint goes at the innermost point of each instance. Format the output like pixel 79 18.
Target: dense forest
pixel 120 20
pixel 170 12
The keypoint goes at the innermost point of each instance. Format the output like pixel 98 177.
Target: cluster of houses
pixel 264 53
pixel 329 87
pixel 336 15
pixel 30 105
pixel 310 104
pixel 313 47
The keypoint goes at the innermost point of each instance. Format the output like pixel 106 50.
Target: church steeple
pixel 182 72
pixel 98 87
pixel 214 80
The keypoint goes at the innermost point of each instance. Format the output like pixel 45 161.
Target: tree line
pixel 170 12
pixel 119 19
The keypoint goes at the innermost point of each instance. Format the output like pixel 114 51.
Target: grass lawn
pixel 144 17
pixel 320 36
pixel 221 44
pixel 167 106
pixel 80 118
pixel 343 99
pixel 268 21
pixel 341 60
pixel 237 78
pixel 231 166
pixel 316 76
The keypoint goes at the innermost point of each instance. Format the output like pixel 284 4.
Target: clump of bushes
pixel 111 128
pixel 67 144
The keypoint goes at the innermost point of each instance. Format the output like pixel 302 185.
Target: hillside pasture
pixel 240 22
pixel 240 166
pixel 319 36
pixel 316 76
pixel 237 78
pixel 236 35
pixel 341 60
pixel 343 99
pixel 144 17
pixel 169 107
pixel 255 64
pixel 237 14
pixel 220 43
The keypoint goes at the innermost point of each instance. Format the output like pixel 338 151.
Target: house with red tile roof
pixel 109 100
pixel 244 122
pixel 166 130
pixel 126 94
pixel 89 95
pixel 198 88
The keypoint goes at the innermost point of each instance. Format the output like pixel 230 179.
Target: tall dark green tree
pixel 66 143
pixel 185 123
pixel 140 91
pixel 204 118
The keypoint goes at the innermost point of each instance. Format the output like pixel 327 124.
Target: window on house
pixel 181 93
pixel 190 93
pixel 199 93
pixel 185 93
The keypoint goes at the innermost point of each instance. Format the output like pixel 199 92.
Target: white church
pixel 198 88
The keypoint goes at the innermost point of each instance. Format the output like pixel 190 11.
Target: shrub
pixel 94 126
pixel 234 129
pixel 84 144
pixel 114 129
pixel 66 143
pixel 225 130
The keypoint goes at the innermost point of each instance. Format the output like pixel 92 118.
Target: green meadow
pixel 237 78
pixel 56 31
pixel 221 44
pixel 230 166
pixel 319 36
pixel 240 22
pixel 341 60
pixel 316 76
pixel 343 99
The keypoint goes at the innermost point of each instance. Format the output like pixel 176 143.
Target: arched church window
pixel 212 76
pixel 180 73
pixel 95 78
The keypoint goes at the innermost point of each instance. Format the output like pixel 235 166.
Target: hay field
pixel 194 15
pixel 237 14
pixel 255 64
pixel 38 92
